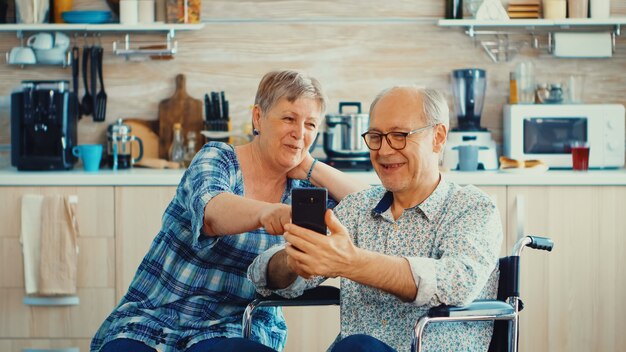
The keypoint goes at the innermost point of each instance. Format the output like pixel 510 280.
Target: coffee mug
pixel 22 55
pixel 54 56
pixel 61 40
pixel 90 154
pixel 468 156
pixel 41 41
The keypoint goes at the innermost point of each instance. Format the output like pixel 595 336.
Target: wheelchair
pixel 504 310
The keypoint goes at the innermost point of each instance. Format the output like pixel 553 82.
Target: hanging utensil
pixel 87 101
pixel 101 97
pixel 93 79
pixel 75 62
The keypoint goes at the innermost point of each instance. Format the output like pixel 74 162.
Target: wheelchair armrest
pixel 476 308
pixel 317 296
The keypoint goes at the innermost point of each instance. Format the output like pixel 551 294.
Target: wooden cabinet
pixel 138 212
pixel 24 326
pixel 573 295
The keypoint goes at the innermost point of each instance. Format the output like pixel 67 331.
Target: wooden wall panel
pixel 356 48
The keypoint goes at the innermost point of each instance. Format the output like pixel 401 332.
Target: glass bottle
pixel 190 150
pixel 177 149
pixel 513 88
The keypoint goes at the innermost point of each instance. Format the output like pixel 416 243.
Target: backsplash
pixel 355 48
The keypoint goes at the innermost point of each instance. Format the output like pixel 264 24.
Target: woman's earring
pixel 255 132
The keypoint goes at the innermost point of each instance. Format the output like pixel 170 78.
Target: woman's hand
pixel 273 217
pixel 301 170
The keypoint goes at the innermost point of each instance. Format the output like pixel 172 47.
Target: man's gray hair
pixel 434 103
pixel 289 84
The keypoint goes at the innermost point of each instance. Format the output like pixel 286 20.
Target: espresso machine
pixel 468 87
pixel 343 144
pixel 120 146
pixel 43 126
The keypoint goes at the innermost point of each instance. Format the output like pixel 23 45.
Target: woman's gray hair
pixel 289 84
pixel 434 103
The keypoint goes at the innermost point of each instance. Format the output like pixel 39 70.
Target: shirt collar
pixel 430 206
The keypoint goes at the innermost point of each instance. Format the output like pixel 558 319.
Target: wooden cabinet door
pixel 138 212
pixel 96 271
pixel 573 295
pixel 498 194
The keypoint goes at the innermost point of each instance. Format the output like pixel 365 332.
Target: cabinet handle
pixel 519 209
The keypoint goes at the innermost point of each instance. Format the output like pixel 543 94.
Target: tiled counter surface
pixel 150 177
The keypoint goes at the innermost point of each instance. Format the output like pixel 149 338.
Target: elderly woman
pixel 190 290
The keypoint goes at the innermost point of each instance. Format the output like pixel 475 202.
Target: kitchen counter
pixel 151 177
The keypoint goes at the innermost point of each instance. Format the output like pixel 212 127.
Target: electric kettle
pixel 120 144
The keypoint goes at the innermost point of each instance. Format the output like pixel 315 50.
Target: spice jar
pixel 556 94
pixel 541 93
pixel 513 88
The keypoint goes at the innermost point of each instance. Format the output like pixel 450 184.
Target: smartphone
pixel 308 206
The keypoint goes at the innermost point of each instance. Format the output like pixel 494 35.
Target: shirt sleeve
pixel 257 273
pixel 469 248
pixel 211 173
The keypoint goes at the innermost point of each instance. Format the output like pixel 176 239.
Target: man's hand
pixel 312 254
pixel 274 217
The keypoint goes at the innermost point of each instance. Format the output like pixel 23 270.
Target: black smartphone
pixel 308 206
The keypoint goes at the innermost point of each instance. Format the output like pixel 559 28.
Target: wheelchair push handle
pixel 541 243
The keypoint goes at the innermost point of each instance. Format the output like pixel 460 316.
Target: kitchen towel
pixel 591 45
pixel 49 239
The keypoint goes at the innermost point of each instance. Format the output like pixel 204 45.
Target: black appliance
pixel 469 87
pixel 43 126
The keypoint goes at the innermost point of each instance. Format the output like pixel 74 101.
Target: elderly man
pixel 416 242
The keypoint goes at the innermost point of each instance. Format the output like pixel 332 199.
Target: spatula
pixel 86 104
pixel 101 97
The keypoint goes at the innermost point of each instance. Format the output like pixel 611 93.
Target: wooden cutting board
pixel 141 129
pixel 179 108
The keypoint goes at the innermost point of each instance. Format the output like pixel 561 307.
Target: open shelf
pixel 527 25
pixel 105 27
pixel 500 46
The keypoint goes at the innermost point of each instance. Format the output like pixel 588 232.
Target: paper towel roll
pixel 588 45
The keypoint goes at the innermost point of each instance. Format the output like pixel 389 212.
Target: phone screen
pixel 308 206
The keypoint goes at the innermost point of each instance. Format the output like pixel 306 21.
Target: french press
pixel 120 146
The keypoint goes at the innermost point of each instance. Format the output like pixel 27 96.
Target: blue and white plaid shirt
pixel 191 287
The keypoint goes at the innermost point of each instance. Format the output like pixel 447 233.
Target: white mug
pixel 22 55
pixel 61 40
pixel 41 41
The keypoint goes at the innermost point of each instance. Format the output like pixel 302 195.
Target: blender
pixel 468 87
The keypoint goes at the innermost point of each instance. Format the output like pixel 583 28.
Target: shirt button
pixel 384 322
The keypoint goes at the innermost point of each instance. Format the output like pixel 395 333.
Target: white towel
pixel 31 240
pixel 49 239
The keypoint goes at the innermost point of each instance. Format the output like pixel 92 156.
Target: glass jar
pixel 541 93
pixel 556 94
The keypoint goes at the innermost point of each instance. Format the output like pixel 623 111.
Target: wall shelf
pixel 99 28
pixel 170 47
pixel 500 47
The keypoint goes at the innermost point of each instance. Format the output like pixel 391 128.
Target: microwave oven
pixel 545 132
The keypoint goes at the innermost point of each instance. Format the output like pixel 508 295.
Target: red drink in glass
pixel 580 157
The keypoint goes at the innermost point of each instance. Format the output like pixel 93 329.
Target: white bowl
pixel 54 56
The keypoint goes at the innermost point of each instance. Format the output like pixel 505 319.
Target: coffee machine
pixel 43 126
pixel 468 87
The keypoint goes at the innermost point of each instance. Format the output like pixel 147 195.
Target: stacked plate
pixel 87 16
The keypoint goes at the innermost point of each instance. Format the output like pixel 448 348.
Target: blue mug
pixel 90 155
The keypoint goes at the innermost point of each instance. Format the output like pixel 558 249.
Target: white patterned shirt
pixel 451 240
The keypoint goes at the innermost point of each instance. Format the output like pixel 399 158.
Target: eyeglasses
pixel 396 140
